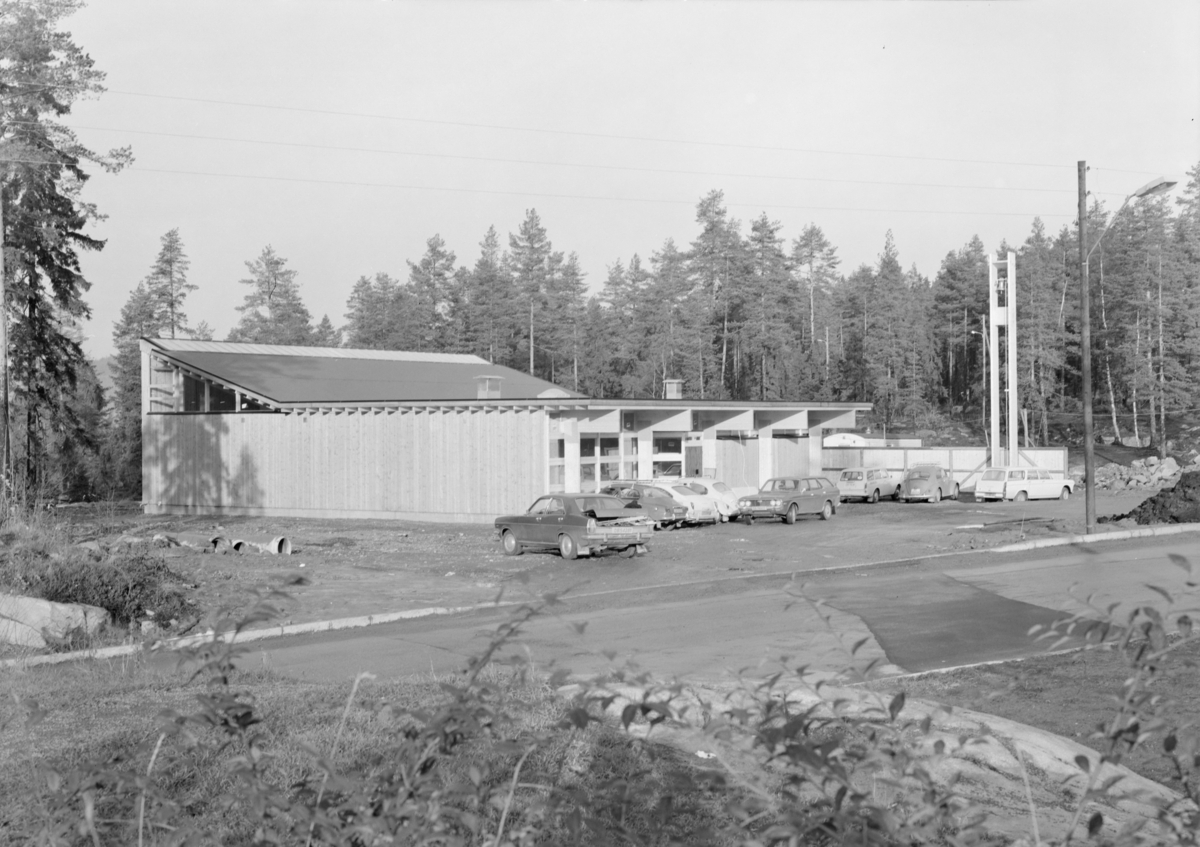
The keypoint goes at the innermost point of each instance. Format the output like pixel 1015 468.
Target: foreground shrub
pixel 127 584
pixel 494 757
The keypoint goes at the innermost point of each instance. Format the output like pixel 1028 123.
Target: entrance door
pixel 693 461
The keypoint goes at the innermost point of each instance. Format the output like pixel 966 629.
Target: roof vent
pixel 487 387
pixel 673 389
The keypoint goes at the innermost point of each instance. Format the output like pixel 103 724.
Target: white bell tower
pixel 1002 311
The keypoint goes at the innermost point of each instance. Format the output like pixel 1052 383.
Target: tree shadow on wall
pixel 199 462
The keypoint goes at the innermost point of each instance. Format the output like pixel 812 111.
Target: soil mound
pixel 1179 504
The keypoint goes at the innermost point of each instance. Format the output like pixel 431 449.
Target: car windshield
pixel 917 473
pixel 780 485
pixel 852 475
pixel 993 476
pixel 589 504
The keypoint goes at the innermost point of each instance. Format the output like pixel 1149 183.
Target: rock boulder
pixel 31 622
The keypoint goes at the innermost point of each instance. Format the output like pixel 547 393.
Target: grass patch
pixel 1071 694
pixel 110 713
pixel 131 583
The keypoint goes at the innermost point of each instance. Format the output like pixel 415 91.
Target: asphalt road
pixel 909 616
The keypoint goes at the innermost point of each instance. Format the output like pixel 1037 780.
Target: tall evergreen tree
pixel 42 74
pixel 168 286
pixel 529 263
pixel 272 312
pixel 140 318
pixel 430 281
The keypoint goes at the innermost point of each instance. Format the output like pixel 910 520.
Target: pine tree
pixel 326 335
pixel 42 73
pixel 430 281
pixel 528 261
pixel 272 312
pixel 140 318
pixel 370 313
pixel 168 286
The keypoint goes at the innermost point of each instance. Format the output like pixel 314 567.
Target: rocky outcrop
pixel 1142 474
pixel 31 622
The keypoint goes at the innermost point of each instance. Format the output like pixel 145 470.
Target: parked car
pixel 927 482
pixel 868 484
pixel 1023 484
pixel 663 509
pixel 576 525
pixel 700 507
pixel 789 497
pixel 726 497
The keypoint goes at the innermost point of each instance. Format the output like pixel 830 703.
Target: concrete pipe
pixel 279 545
pixel 199 541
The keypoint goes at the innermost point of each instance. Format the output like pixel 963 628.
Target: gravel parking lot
pixel 364 567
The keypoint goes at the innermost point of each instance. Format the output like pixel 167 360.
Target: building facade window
pixel 558 467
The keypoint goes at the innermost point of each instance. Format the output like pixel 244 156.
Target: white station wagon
pixel 868 484
pixel 1023 484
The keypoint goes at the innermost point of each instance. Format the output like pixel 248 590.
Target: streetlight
pixel 1154 186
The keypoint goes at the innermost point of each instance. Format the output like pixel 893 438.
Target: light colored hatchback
pixel 1023 484
pixel 726 497
pixel 868 484
pixel 928 482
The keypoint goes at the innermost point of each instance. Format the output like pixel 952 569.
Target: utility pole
pixel 1085 364
pixel 5 455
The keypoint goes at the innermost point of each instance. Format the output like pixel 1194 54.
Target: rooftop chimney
pixel 673 389
pixel 487 387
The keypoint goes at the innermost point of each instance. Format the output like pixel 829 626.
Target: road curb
pixel 245 635
pixel 1119 535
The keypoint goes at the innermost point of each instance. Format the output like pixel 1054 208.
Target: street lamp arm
pixel 1158 185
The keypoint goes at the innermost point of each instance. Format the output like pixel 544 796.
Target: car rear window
pixel 993 476
pixel 684 490
pixel 920 473
pixel 852 475
pixel 587 504
pixel 722 487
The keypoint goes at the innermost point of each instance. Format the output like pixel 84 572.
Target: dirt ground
pixel 1178 504
pixel 362 567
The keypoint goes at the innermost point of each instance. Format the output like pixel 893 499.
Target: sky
pixel 347 134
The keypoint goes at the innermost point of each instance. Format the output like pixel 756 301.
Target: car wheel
pixel 629 552
pixel 749 520
pixel 827 511
pixel 790 517
pixel 936 497
pixel 566 546
pixel 1021 497
pixel 896 496
pixel 511 546
pixel 954 496
pixel 874 498
pixel 1065 494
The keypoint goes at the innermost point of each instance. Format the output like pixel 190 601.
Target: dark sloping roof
pixel 321 378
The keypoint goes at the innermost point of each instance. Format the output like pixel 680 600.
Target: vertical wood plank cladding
pixel 482 461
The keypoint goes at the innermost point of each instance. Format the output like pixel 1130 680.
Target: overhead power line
pixel 579 134
pixel 559 196
pixel 539 162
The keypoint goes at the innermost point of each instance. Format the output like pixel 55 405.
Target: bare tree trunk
pixel 1137 354
pixel 1112 401
pixel 1162 367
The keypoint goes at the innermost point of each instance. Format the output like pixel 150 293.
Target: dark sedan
pixel 658 504
pixel 787 498
pixel 576 525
